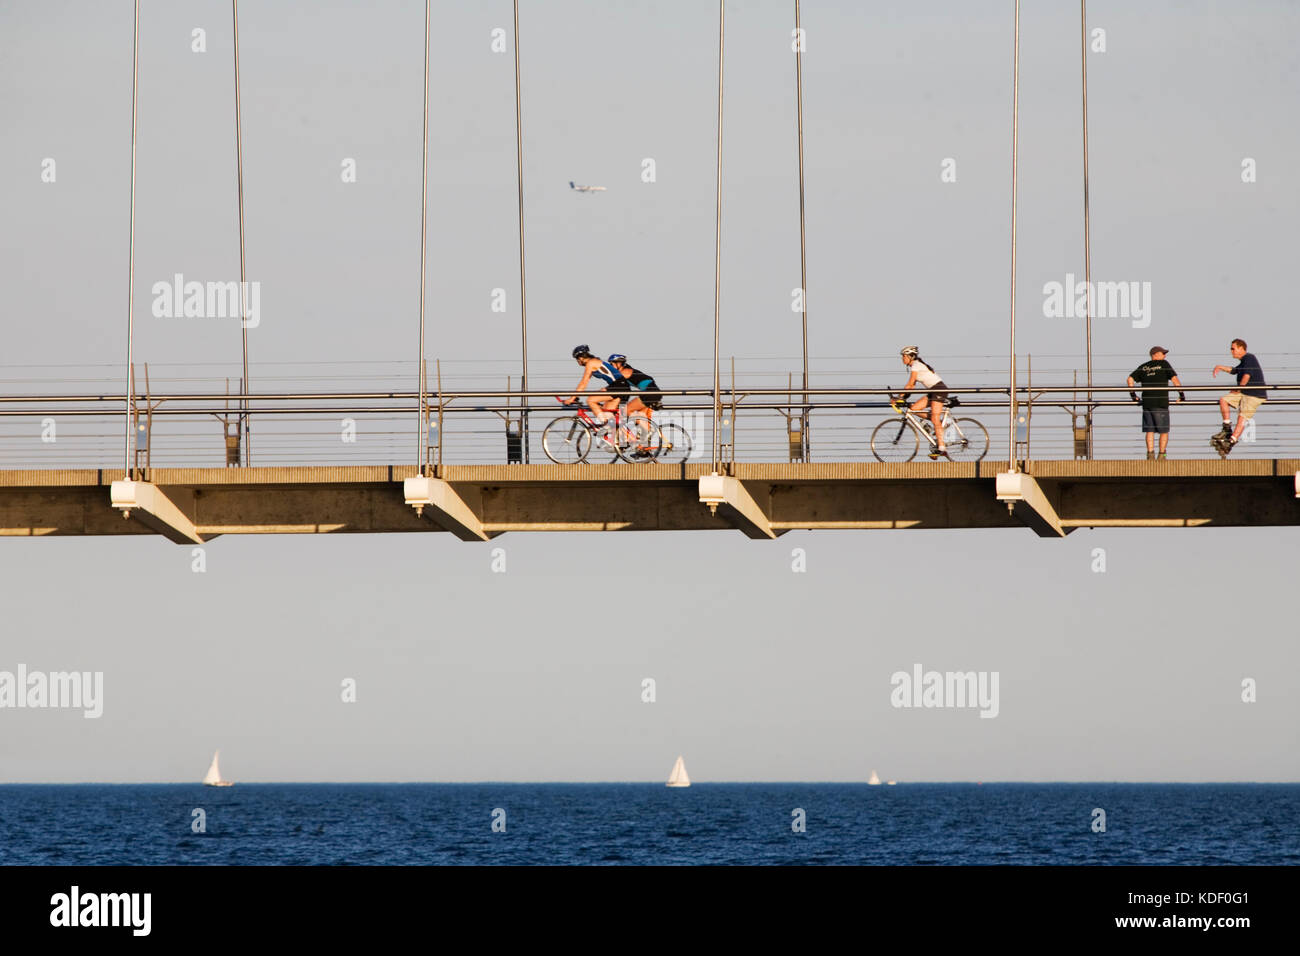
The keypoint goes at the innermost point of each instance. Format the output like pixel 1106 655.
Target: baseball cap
pixel 1158 348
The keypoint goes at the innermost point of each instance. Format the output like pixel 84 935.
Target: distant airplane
pixel 585 189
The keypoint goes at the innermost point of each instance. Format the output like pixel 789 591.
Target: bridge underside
pixel 478 502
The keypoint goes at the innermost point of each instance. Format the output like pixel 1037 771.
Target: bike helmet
pixel 911 350
pixel 617 357
pixel 580 350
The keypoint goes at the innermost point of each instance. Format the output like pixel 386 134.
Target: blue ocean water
pixel 648 823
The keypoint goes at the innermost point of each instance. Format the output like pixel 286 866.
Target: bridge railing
pixel 475 425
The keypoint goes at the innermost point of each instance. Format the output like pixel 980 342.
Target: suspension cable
pixel 523 285
pixel 1087 220
pixel 130 298
pixel 243 275
pixel 717 255
pixel 422 431
pixel 1015 144
pixel 803 236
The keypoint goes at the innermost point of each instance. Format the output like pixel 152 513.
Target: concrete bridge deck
pixel 478 502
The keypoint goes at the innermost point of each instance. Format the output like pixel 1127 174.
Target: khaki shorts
pixel 1246 405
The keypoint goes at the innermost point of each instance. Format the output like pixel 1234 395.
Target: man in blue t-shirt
pixel 1245 400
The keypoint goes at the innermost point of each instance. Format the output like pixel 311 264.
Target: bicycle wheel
pixel 967 440
pixel 639 440
pixel 893 440
pixel 674 444
pixel 566 441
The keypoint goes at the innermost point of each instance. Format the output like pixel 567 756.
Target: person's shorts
pixel 1155 420
pixel 651 401
pixel 941 395
pixel 1246 405
pixel 622 386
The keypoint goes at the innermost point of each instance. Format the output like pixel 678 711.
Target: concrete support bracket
pixel 154 509
pixel 1030 504
pixel 737 506
pixel 445 507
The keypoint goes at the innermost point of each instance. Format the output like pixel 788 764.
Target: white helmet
pixel 911 350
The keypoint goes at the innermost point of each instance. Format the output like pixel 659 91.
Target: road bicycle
pixel 965 438
pixel 577 438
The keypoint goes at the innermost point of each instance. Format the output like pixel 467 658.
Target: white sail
pixel 874 780
pixel 678 777
pixel 213 777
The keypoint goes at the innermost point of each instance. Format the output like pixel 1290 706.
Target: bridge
pixel 479 481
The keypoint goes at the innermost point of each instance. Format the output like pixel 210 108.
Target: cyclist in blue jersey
pixel 604 371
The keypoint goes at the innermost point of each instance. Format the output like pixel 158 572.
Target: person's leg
pixel 1162 428
pixel 1245 412
pixel 1226 404
pixel 1148 431
pixel 936 419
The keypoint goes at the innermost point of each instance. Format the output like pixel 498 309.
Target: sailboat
pixel 213 777
pixel 874 780
pixel 678 777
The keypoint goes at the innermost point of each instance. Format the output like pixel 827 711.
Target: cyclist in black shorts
pixel 926 377
pixel 639 381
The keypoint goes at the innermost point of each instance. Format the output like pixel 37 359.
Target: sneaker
pixel 934 455
pixel 943 451
pixel 1151 456
pixel 1161 456
pixel 1226 431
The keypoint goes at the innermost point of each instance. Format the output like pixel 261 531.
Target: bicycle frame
pixel 947 423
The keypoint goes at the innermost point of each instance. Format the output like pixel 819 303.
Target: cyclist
pixel 925 376
pixel 604 371
pixel 638 381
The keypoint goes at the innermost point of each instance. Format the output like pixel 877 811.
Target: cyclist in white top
pixel 926 377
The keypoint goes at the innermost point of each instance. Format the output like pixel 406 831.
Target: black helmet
pixel 580 350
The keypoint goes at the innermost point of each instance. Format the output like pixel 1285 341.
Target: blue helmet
pixel 617 357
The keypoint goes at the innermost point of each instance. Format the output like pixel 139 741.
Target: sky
pixel 761 672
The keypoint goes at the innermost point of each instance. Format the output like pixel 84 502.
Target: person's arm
pixel 586 377
pixel 1182 396
pixel 1220 368
pixel 908 387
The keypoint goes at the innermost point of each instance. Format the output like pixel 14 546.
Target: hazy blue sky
pixel 762 674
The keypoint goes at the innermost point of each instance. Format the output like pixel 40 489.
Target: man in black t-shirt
pixel 1155 404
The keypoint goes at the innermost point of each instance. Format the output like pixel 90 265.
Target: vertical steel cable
pixel 1015 144
pixel 803 238
pixel 422 428
pixel 243 276
pixel 1087 221
pixel 130 297
pixel 717 256
pixel 523 285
